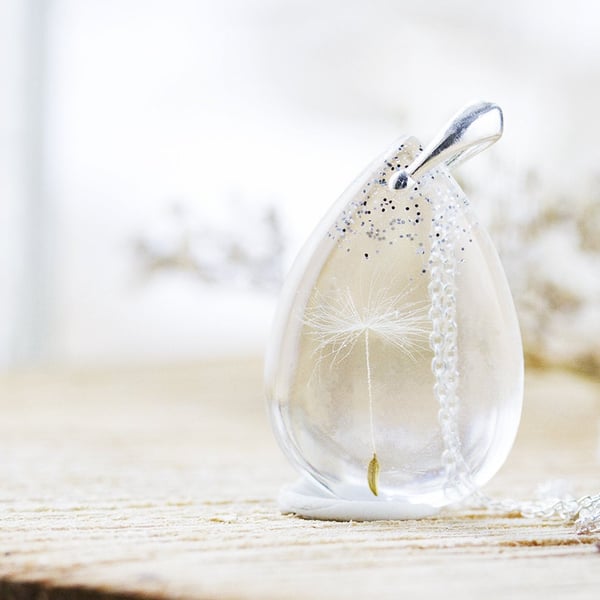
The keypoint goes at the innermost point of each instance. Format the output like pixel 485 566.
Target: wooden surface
pixel 162 483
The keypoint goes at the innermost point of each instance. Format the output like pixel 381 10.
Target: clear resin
pixel 395 369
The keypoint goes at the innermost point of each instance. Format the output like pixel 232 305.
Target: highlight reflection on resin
pixel 394 374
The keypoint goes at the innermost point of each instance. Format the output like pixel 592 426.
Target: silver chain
pixel 584 512
pixel 443 338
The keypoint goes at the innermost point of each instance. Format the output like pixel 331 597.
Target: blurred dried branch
pixel 249 255
pixel 549 243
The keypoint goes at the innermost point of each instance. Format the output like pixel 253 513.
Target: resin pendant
pixel 394 374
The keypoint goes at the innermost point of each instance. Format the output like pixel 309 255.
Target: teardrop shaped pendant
pixel 394 375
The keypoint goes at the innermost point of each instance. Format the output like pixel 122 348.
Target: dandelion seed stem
pixel 370 391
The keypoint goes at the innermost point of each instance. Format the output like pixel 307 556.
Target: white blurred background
pixel 161 161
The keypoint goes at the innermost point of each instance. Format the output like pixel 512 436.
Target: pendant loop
pixel 470 131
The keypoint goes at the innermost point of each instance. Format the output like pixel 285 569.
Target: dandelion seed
pixel 336 322
pixel 373 474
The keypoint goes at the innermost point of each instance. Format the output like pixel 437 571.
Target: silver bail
pixel 470 131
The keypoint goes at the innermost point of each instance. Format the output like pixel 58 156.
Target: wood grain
pixel 162 482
